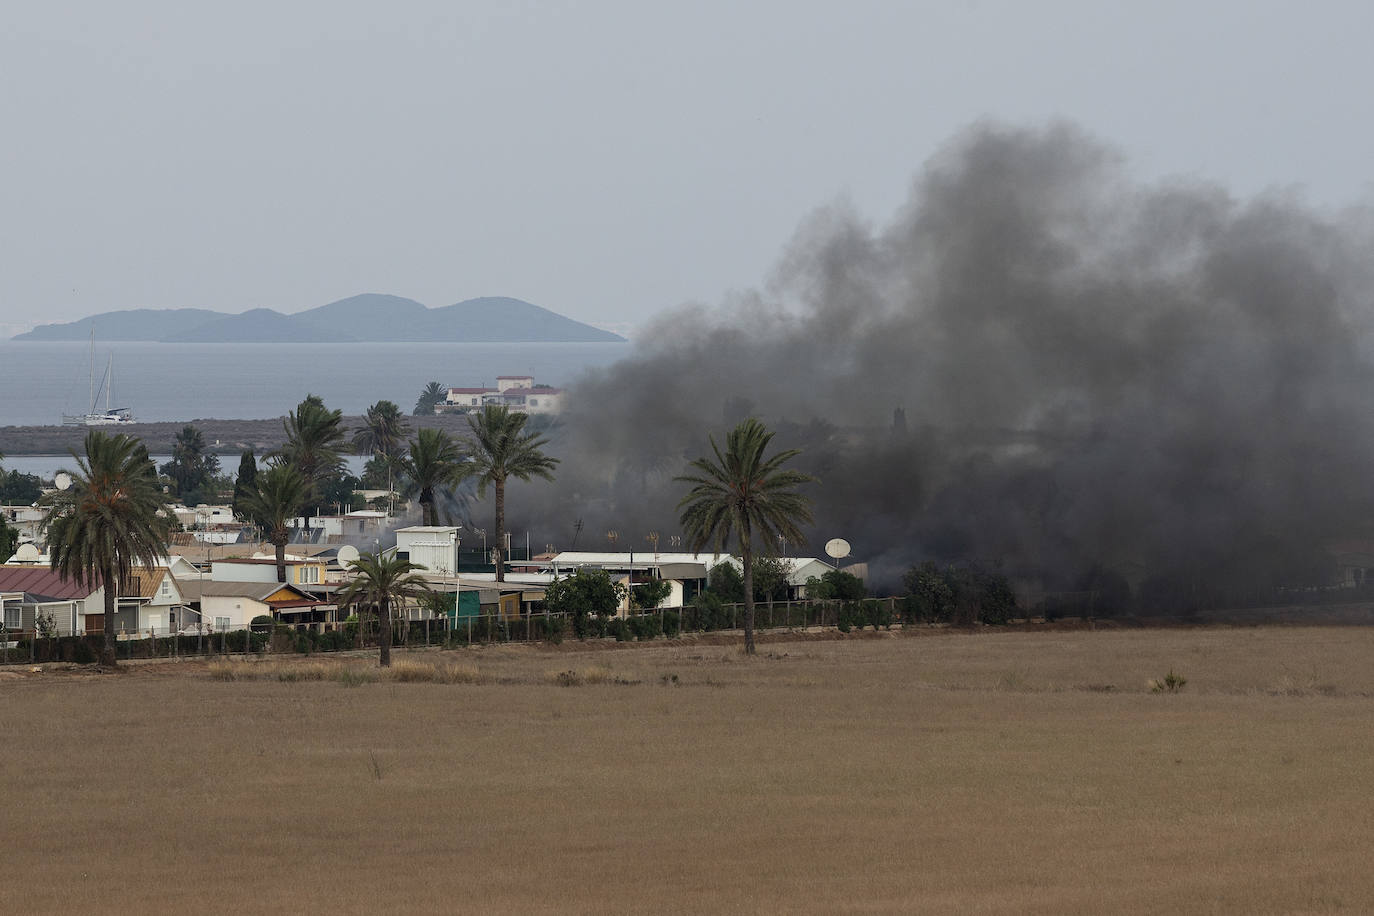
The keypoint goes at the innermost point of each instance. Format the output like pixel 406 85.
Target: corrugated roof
pixel 41 584
pixel 193 590
pixel 144 582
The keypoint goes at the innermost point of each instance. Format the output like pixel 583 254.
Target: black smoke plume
pixel 1039 365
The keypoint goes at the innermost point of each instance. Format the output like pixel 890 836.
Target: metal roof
pixel 42 584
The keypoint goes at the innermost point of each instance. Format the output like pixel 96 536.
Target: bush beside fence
pixel 28 648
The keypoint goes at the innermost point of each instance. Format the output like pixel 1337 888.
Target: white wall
pixel 244 572
pixel 430 549
pixel 237 608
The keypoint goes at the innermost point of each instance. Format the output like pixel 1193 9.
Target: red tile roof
pixel 42 583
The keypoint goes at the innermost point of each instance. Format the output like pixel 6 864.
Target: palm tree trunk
pixel 747 559
pixel 500 529
pixel 280 544
pixel 110 657
pixel 384 632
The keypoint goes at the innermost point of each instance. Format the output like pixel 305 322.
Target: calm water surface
pixel 172 382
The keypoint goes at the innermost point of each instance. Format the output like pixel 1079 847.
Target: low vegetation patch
pixel 591 675
pixel 405 672
pixel 1169 683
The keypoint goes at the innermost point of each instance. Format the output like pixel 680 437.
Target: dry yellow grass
pixel 997 773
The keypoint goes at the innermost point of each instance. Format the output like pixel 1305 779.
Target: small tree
pixel 585 593
pixel 929 596
pixel 725 582
pixel 246 482
pixel 18 489
pixel 9 541
pixel 771 578
pixel 192 469
pixel 836 584
pixel 648 595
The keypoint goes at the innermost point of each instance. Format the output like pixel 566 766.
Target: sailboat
pixel 110 416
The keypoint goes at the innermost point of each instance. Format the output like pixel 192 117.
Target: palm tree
pixel 744 493
pixel 314 436
pixel 501 450
pixel 108 520
pixel 379 580
pixel 191 468
pixel 433 395
pixel 434 460
pixel 383 430
pixel 276 497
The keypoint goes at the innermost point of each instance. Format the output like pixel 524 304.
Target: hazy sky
pixel 603 159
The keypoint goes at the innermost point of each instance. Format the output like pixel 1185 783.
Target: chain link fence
pixel 30 647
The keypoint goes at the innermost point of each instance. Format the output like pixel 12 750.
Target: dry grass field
pixel 1002 772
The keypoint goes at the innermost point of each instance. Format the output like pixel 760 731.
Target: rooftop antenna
pixel 577 529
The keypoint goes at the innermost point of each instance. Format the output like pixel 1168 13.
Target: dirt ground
pixel 1003 772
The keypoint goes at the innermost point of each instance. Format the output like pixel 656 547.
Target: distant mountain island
pixel 371 317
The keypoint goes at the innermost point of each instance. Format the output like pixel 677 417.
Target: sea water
pixel 41 381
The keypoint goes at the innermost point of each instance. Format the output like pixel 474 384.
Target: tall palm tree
pixel 434 461
pixel 501 449
pixel 382 432
pixel 276 497
pixel 379 581
pixel 314 437
pixel 747 494
pixel 431 397
pixel 191 467
pixel 108 520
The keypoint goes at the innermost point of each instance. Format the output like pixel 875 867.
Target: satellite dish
pixel 62 481
pixel 348 555
pixel 837 548
pixel 27 553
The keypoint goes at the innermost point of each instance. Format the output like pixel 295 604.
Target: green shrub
pixel 551 628
pixel 645 626
pixel 619 629
pixel 1169 683
pixel 82 653
pixel 672 624
pixel 878 614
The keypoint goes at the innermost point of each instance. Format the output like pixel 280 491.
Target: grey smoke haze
pixel 1162 379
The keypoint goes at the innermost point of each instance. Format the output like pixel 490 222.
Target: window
pixel 12 616
pixel 221 623
pixel 166 588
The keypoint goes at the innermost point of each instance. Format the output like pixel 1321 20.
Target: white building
pixel 431 547
pixel 517 392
